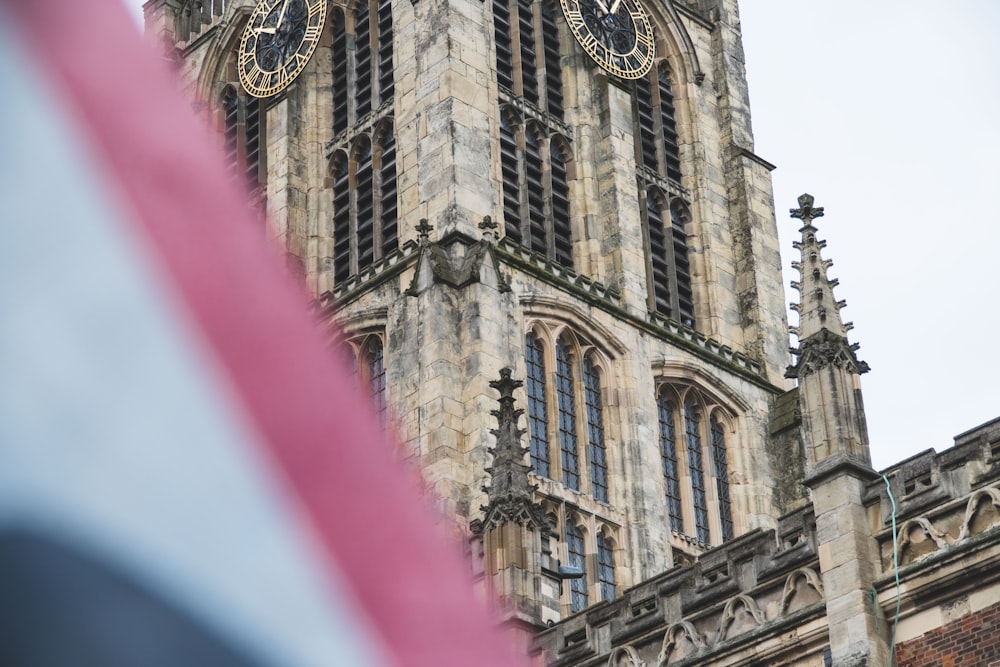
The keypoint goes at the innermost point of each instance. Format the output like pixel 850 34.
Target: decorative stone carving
pixel 797 586
pixel 981 513
pixel 441 262
pixel 510 490
pixel 806 213
pixel 625 656
pixel 681 641
pixel 826 349
pixel 918 538
pixel 740 615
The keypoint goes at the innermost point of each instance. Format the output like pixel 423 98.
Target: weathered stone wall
pixel 444 341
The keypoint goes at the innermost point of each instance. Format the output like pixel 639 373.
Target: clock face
pixel 615 33
pixel 278 42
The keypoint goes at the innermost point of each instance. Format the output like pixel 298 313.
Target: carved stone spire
pixel 517 554
pixel 838 462
pixel 510 490
pixel 821 331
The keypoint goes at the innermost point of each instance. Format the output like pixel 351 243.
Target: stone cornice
pixel 741 151
pixel 605 298
pixel 839 464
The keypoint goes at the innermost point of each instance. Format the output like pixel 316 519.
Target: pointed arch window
pixel 366 359
pixel 565 392
pixel 605 567
pixel 595 432
pixel 692 436
pixel 663 201
pixel 668 456
pixel 576 554
pixel 693 460
pixel 590 543
pixel 375 362
pixel 537 405
pixel 242 136
pixel 365 225
pixel 577 417
pixel 721 478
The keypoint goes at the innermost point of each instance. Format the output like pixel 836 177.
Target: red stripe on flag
pixel 198 231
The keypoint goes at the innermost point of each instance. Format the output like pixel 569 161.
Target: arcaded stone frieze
pixel 764 584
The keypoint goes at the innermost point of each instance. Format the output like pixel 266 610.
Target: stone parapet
pixel 760 594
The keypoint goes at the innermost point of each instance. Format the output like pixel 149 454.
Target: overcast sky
pixel 886 111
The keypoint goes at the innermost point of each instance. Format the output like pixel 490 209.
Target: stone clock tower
pixel 463 188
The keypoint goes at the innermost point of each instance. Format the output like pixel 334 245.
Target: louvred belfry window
pixel 242 136
pixel 365 225
pixel 361 55
pixel 363 159
pixel 663 201
pixel 536 156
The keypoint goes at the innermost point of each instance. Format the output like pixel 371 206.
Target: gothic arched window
pixel 662 199
pixel 538 427
pixel 606 567
pixel 536 162
pixel 721 478
pixel 595 432
pixel 365 225
pixel 566 396
pixel 576 553
pixel 366 359
pixel 576 384
pixel 668 455
pixel 242 136
pixel 693 459
pixel 590 544
pixel 374 360
pixel 696 471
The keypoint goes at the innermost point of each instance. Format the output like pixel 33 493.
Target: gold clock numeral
pixel 312 33
pixel 279 78
pixel 256 76
pixel 315 9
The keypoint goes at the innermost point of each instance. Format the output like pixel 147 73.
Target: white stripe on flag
pixel 115 427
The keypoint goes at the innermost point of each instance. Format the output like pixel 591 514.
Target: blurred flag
pixel 186 476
